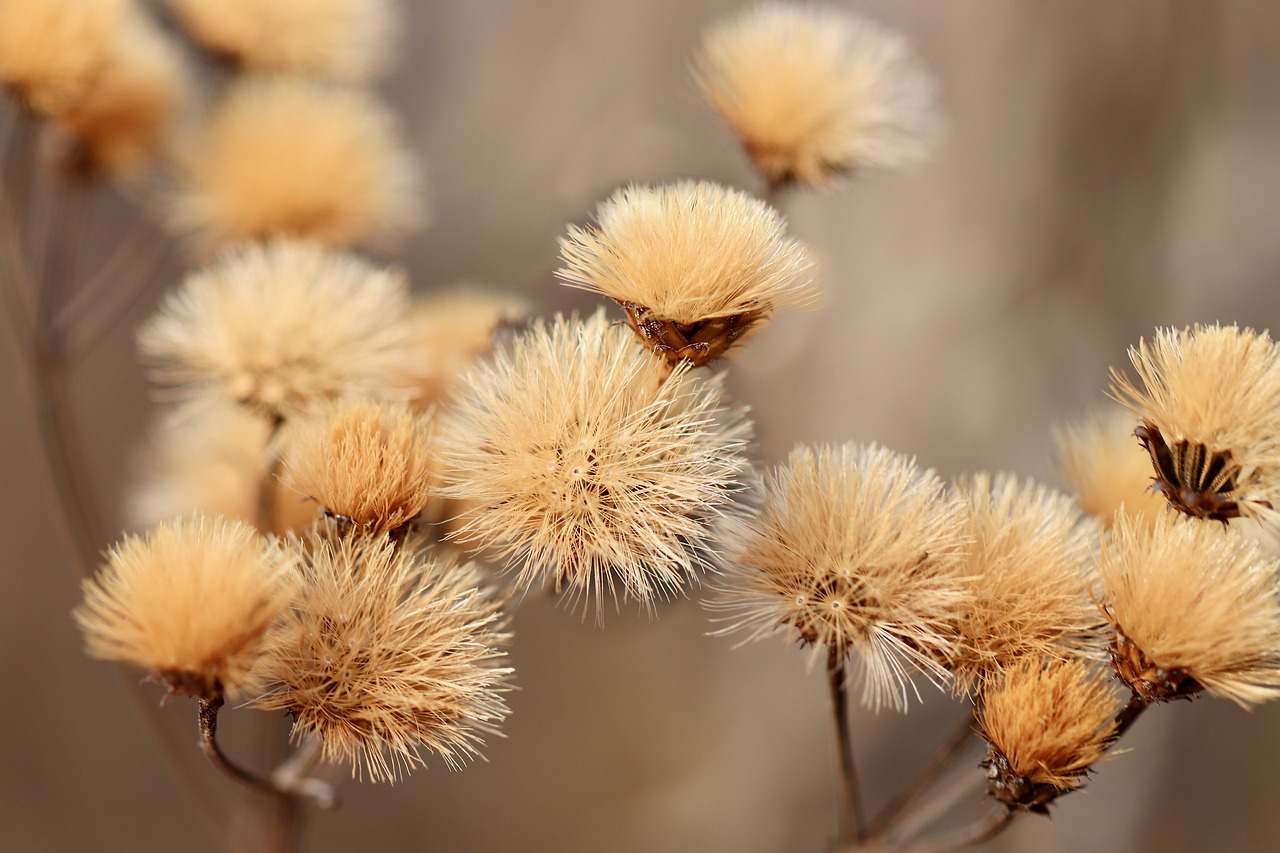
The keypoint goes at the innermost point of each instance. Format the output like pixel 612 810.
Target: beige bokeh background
pixel 1109 167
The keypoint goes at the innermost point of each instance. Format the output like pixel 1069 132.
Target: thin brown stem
pixel 290 784
pixel 937 801
pixel 294 775
pixel 976 833
pixel 208 719
pixel 1128 714
pixel 123 279
pixel 942 758
pixel 848 800
pixel 270 479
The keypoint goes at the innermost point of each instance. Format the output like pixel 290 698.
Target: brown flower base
pixel 1148 680
pixel 700 342
pixel 1016 790
pixel 1195 480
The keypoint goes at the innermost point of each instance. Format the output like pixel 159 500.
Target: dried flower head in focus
pixel 1028 567
pixel 695 265
pixel 283 326
pixel 293 157
pixel 387 653
pixel 338 39
pixel 586 470
pixel 857 549
pixel 1107 468
pixel 1193 607
pixel 815 92
pixel 189 602
pixel 1047 723
pixel 1210 418
pixel 368 464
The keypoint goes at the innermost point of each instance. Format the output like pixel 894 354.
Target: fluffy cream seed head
pixel 1193 607
pixel 857 549
pixel 1047 722
pixel 1209 405
pixel 816 92
pixel 1107 468
pixel 370 464
pixel 694 264
pixel 584 469
pixel 283 326
pixel 388 652
pixel 1029 570
pixel 293 157
pixel 339 39
pixel 189 602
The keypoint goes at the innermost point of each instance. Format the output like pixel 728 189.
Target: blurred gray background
pixel 1110 167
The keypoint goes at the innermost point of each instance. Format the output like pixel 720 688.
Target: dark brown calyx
pixel 1196 480
pixel 700 342
pixel 180 682
pixel 1148 680
pixel 1015 790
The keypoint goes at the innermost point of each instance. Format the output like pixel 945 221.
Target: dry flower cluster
pixel 347 486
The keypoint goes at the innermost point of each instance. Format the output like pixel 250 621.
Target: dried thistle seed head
pixel 455 328
pixel 1210 418
pixel 338 39
pixel 584 469
pixel 1047 722
pixel 124 118
pixel 189 602
pixel 1193 607
pixel 213 459
pixel 52 51
pixel 855 549
pixel 814 93
pixel 387 653
pixel 1029 575
pixel 282 326
pixel 293 157
pixel 1107 468
pixel 695 265
pixel 368 464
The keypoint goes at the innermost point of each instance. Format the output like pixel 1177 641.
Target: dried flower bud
pixel 858 550
pixel 584 468
pixel 1210 418
pixel 1107 468
pixel 388 652
pixel 1193 607
pixel 1028 570
pixel 695 266
pixel 1047 723
pixel 339 39
pixel 189 602
pixel 368 464
pixel 283 326
pixel 816 92
pixel 285 157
